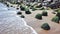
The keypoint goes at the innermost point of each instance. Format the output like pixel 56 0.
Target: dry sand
pixel 36 24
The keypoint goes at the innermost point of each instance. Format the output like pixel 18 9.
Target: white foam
pixel 3 7
pixel 13 22
pixel 29 27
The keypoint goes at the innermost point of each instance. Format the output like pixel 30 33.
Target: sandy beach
pixel 11 23
pixel 36 24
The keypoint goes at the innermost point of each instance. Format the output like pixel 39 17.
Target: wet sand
pixel 11 23
pixel 36 24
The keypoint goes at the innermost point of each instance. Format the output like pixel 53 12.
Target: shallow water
pixel 10 23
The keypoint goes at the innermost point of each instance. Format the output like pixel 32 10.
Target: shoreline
pixel 27 25
pixel 36 24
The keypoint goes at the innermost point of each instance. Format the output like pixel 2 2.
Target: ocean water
pixel 10 23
